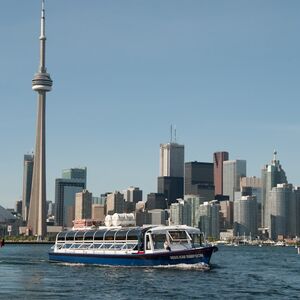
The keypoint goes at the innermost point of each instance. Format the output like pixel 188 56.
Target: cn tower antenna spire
pixel 43 40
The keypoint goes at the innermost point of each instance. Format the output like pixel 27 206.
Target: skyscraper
pixel 133 194
pixel 170 181
pixel 283 211
pixel 180 213
pixel 75 173
pixel 155 201
pixel 245 216
pixel 219 158
pixel 65 191
pixel 194 201
pixel 171 160
pixel 233 170
pixel 41 83
pixel 252 186
pixel 115 203
pixel 271 175
pixel 199 180
pixel 170 187
pixel 83 205
pixel 210 219
pixel 27 182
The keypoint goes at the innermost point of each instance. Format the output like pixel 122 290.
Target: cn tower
pixel 41 83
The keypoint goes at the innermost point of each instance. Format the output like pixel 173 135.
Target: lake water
pixel 242 272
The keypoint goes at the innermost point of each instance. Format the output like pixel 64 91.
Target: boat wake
pixel 199 266
pixel 70 264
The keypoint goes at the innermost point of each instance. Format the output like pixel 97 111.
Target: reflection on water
pixel 236 272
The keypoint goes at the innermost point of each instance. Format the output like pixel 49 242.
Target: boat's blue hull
pixel 200 255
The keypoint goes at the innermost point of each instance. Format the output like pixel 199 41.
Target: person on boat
pixel 167 246
pixel 2 243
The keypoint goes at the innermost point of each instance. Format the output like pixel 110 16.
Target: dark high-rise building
pixel 199 180
pixel 171 187
pixel 155 201
pixel 19 207
pixel 27 181
pixel 142 217
pixel 65 193
pixel 74 173
pixel 42 84
pixel 219 158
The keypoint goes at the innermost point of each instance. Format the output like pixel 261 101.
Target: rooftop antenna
pixel 171 134
pixel 274 155
pixel 175 133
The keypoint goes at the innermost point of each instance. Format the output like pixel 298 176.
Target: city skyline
pixel 203 66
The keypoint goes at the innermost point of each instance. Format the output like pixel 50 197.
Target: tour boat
pixel 132 246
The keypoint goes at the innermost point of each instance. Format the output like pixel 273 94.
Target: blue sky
pixel 226 73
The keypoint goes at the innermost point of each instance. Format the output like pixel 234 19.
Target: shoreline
pixel 29 242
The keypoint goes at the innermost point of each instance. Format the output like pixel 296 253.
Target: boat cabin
pixel 129 240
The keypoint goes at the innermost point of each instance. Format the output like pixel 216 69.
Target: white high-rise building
pixel 83 205
pixel 271 175
pixel 194 201
pixel 180 213
pixel 245 216
pixel 115 203
pixel 283 211
pixel 210 219
pixel 133 194
pixel 171 160
pixel 233 170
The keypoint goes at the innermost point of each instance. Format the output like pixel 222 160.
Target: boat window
pixel 178 236
pixel 99 235
pixel 67 246
pixel 148 243
pixel 106 246
pixel 61 236
pixel 133 235
pixel 79 235
pixel 196 240
pixel 89 235
pixel 70 235
pixel 95 246
pixel 84 246
pixel 129 246
pixel 121 235
pixel 158 240
pixel 110 235
pixel 59 246
pixel 117 246
pixel 75 246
